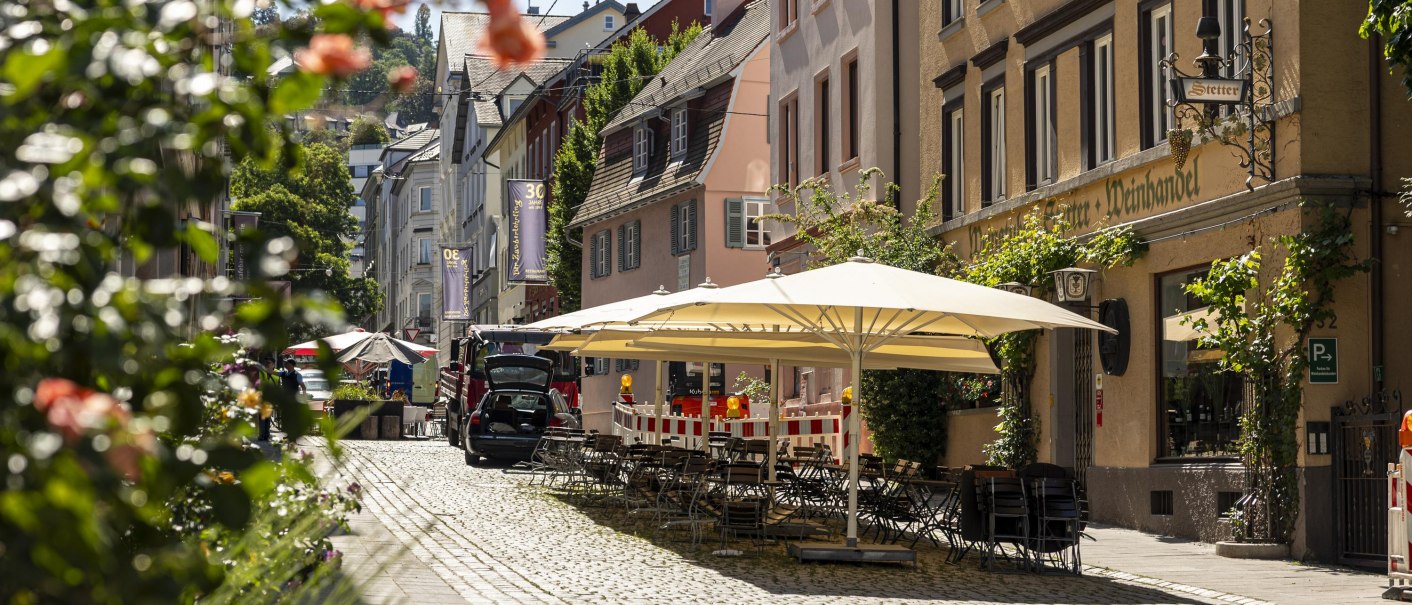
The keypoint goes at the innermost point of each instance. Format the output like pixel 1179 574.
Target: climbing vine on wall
pixel 1262 330
pixel 1028 255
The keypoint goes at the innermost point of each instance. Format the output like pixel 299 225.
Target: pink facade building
pixel 681 182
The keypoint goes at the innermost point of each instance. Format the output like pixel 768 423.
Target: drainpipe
pixel 1375 240
pixel 896 102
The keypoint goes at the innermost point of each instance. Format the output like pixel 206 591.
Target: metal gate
pixel 1083 405
pixel 1364 440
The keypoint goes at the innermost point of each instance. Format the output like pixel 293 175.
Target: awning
pixel 1183 327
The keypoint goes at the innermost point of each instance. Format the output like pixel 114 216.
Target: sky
pixel 408 21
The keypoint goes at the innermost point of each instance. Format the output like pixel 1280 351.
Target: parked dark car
pixel 518 405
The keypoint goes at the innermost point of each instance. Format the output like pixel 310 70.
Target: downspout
pixel 896 102
pixel 1375 240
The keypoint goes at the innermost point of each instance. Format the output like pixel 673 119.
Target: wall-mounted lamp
pixel 1015 287
pixel 1072 284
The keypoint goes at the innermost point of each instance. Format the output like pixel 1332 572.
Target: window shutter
pixel 637 244
pixel 622 241
pixel 593 258
pixel 691 222
pixel 608 249
pixel 1031 146
pixel 986 194
pixel 735 222
pixel 676 218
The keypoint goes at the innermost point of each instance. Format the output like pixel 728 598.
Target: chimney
pixel 631 12
pixel 532 10
pixel 585 4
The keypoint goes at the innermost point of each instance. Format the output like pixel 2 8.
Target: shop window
pixel 1200 403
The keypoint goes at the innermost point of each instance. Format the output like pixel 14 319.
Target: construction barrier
pixel 636 423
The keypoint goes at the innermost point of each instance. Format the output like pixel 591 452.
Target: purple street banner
pixel 456 282
pixel 528 222
pixel 239 222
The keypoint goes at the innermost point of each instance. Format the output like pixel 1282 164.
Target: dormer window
pixel 679 139
pixel 641 148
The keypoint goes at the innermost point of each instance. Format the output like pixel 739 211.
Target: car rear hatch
pixel 518 372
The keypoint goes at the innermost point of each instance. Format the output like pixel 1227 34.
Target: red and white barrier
pixel 638 424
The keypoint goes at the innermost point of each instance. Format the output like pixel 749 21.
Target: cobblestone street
pixel 436 531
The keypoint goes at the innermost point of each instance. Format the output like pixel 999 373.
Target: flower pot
pixel 1252 550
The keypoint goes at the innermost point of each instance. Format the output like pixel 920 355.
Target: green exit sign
pixel 1323 361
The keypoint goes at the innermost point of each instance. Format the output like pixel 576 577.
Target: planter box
pixel 381 409
pixel 1252 550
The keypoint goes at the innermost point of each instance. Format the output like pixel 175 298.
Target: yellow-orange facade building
pixel 1061 106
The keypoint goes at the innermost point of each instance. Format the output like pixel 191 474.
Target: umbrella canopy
pixel 860 306
pixel 945 353
pixel 339 342
pixel 1182 327
pixel 863 297
pixel 381 348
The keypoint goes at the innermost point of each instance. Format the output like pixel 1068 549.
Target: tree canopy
pixel 626 69
pixel 1392 19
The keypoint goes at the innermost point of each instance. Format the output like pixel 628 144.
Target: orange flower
pixel 333 55
pixel 386 7
pixel 509 39
pixel 402 79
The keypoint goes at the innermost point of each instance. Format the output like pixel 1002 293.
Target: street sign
pixel 1323 361
pixel 411 333
pixel 1217 91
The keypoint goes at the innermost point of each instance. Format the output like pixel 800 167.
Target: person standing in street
pixel 293 383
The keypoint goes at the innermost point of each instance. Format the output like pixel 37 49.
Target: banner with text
pixel 528 222
pixel 456 283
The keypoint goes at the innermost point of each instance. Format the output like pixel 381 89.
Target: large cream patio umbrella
pixel 859 306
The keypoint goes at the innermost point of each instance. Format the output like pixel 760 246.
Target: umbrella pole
pixel 658 399
pixel 855 427
pixel 705 406
pixel 773 426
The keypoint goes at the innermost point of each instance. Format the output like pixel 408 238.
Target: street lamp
pixel 1071 285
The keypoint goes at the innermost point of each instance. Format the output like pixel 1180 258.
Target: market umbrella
pixel 339 342
pixel 380 349
pixel 859 306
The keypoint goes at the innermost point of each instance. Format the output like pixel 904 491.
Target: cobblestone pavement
pixel 492 537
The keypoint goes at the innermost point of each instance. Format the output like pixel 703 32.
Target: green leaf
pixel 202 242
pixel 231 505
pixel 297 91
pixel 25 71
pixel 259 479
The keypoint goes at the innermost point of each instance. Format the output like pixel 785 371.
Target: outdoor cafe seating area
pixel 726 497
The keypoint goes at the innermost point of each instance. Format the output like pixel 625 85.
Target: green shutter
pixel 676 216
pixel 622 258
pixel 735 222
pixel 593 257
pixel 691 219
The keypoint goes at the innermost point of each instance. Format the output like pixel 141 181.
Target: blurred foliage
pixel 122 123
pixel 355 392
pixel 626 69
pixel 1392 20
pixel 367 131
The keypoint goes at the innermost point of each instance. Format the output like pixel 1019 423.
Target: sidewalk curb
pixel 1183 588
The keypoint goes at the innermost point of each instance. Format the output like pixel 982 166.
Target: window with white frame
pixel 708 8
pixel 629 245
pixel 1045 147
pixel 1102 141
pixel 423 251
pixel 1231 14
pixel 954 152
pixel 1157 44
pixel 424 199
pixel 952 10
pixel 641 148
pixel 683 227
pixel 609 23
pixel 602 254
pixel 994 169
pixel 756 235
pixel 679 132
